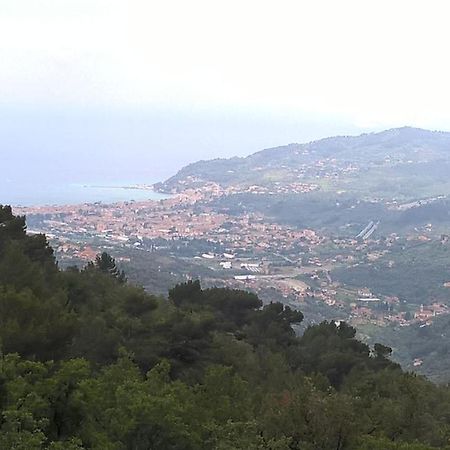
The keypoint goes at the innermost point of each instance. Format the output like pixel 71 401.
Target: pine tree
pixel 107 264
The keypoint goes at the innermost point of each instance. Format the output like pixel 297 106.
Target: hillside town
pixel 240 251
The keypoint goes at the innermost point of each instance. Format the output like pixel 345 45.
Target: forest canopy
pixel 89 361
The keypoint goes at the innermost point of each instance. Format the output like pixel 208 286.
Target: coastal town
pixel 244 251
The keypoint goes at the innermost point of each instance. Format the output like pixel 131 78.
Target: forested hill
pixel 91 362
pixel 343 156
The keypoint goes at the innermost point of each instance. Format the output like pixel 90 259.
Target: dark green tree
pixel 105 263
pixel 382 351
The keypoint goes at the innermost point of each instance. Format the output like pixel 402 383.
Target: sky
pixel 138 88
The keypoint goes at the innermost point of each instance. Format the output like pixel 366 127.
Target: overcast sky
pixel 319 67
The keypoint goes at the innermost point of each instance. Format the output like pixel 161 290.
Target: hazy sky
pixel 193 78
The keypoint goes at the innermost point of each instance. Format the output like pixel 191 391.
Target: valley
pixel 360 236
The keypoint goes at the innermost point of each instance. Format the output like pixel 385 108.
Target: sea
pixel 46 194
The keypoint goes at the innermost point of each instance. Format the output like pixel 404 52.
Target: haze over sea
pixel 50 156
pixel 39 194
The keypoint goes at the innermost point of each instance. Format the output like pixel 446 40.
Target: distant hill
pixel 416 161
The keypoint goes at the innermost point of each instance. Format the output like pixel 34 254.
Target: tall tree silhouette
pixel 107 264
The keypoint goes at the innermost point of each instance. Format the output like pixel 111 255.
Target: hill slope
pixel 400 154
pixel 91 362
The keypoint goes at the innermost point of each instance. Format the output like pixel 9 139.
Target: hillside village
pixel 346 228
pixel 245 251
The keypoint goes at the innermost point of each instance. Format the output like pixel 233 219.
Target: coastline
pixel 35 195
pixel 137 187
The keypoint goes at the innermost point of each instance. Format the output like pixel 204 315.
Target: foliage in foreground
pixel 90 362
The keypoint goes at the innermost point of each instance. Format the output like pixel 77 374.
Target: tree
pixel 11 227
pixel 105 263
pixel 188 292
pixel 382 351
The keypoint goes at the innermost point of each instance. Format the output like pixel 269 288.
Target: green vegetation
pixel 339 214
pixel 403 163
pixel 414 271
pixel 418 342
pixel 358 178
pixel 91 362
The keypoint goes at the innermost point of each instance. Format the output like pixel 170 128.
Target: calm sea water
pixel 40 193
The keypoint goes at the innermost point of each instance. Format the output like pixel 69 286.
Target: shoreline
pixel 81 194
pixel 132 187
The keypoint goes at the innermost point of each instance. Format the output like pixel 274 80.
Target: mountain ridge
pixel 367 148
